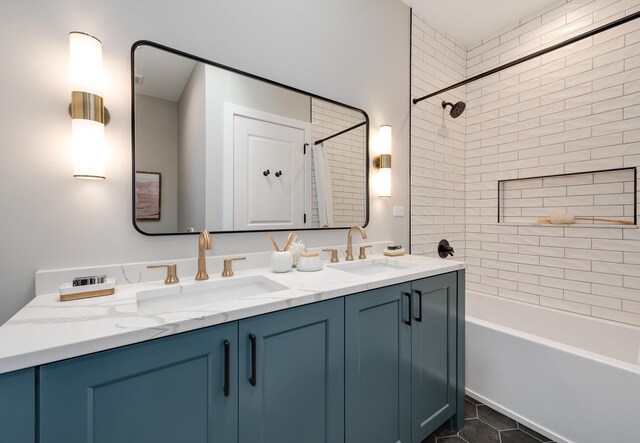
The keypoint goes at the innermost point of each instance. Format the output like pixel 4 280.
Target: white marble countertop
pixel 47 330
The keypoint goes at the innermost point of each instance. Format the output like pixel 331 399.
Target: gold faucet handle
pixel 172 273
pixel 334 254
pixel 363 255
pixel 227 271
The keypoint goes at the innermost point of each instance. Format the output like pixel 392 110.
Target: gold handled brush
pixel 290 240
pixel 273 240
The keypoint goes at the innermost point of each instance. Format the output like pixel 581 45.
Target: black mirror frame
pixel 255 77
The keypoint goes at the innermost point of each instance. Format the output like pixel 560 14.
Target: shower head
pixel 456 110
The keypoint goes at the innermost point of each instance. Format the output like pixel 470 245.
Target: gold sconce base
pixel 87 106
pixel 382 161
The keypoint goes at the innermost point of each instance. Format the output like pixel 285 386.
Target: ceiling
pixel 161 74
pixel 467 22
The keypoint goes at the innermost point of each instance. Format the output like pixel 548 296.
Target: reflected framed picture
pixel 148 195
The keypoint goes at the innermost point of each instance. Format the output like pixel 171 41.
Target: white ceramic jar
pixel 309 262
pixel 281 261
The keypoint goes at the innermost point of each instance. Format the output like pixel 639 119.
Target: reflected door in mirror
pixel 269 174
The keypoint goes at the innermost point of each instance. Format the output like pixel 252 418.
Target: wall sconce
pixel 382 162
pixel 88 114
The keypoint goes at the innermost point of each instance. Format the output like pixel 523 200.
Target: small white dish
pixel 309 262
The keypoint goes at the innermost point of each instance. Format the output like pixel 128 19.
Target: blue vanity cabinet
pixel 436 364
pixel 381 366
pixel 18 406
pixel 378 366
pixel 181 388
pixel 291 375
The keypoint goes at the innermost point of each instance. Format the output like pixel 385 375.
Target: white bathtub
pixel 573 378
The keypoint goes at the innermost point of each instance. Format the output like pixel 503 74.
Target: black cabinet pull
pixel 266 172
pixel 408 294
pixel 227 370
pixel 278 174
pixel 252 379
pixel 419 317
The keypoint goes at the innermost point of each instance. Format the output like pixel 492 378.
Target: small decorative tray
pixel 69 292
pixel 394 252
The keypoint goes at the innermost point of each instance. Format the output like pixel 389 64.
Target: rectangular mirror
pixel 226 151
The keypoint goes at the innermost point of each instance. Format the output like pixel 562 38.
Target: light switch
pixel 398 211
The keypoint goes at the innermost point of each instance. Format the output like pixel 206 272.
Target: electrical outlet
pixel 398 211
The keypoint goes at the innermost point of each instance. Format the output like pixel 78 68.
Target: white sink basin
pixel 370 267
pixel 182 297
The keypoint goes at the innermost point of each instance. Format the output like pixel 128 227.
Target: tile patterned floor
pixel 484 425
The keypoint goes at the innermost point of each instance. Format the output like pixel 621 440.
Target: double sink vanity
pixel 361 351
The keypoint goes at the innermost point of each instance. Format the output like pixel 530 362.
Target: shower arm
pixel 575 39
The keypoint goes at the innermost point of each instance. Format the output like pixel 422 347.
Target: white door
pixel 269 168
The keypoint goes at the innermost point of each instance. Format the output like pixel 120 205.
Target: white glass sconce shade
pixel 87 108
pixel 85 63
pixel 88 148
pixel 384 140
pixel 384 182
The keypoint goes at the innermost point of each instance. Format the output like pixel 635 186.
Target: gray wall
pixel 192 146
pixel 156 151
pixel 353 51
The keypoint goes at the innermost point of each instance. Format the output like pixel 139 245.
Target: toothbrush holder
pixel 281 261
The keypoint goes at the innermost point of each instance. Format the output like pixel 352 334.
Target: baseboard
pixel 517 417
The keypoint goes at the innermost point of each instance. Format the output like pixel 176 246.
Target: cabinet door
pixel 166 390
pixel 18 406
pixel 434 353
pixel 292 375
pixel 378 366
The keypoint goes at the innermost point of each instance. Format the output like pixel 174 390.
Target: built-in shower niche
pixel 609 194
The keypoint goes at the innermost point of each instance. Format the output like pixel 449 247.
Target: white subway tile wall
pixel 437 143
pixel 346 160
pixel 576 109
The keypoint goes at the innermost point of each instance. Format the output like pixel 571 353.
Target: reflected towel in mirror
pixel 324 190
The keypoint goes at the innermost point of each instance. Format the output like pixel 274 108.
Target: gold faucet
pixel 172 273
pixel 204 242
pixel 228 270
pixel 350 241
pixel 363 254
pixel 334 254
